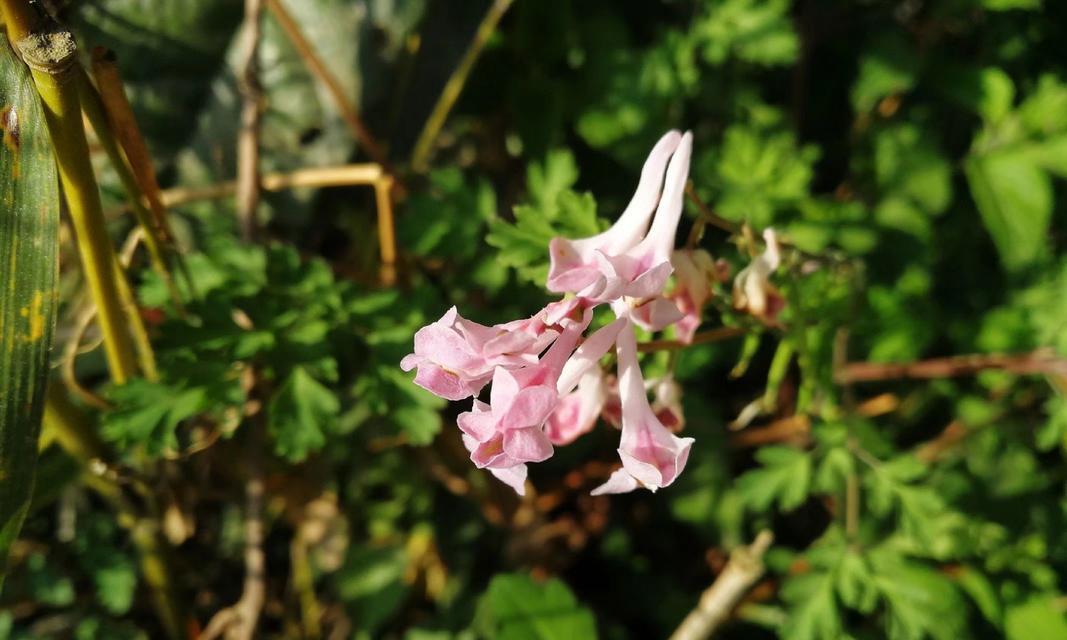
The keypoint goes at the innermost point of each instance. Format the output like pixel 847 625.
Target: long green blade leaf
pixel 29 221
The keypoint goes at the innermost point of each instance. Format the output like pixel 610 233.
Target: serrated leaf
pixel 520 609
pixel 302 411
pixel 555 210
pixel 813 611
pixel 784 478
pixel 29 239
pixel 752 30
pixel 921 602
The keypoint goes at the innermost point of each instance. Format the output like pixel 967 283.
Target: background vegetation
pixel 911 153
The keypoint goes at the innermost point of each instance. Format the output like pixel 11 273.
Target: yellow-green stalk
pixel 50 56
pixel 93 107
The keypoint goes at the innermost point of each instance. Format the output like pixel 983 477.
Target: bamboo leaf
pixel 29 220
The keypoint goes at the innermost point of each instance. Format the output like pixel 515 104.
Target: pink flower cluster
pixel 547 387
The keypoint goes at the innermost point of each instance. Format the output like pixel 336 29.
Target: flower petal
pixel 527 445
pixel 619 482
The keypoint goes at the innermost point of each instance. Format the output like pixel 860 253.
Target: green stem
pixel 454 86
pixel 93 107
pixel 50 57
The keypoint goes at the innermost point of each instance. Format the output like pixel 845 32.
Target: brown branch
pixel 318 68
pixel 707 216
pixel 1037 362
pixel 124 124
pixel 794 427
pixel 704 337
pixel 339 176
pixel 383 192
pixel 251 114
pixel 719 600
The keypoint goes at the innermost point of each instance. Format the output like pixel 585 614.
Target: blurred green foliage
pixel 911 153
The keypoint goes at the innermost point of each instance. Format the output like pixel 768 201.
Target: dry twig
pixel 319 69
pixel 1036 362
pixel 251 113
pixel 720 599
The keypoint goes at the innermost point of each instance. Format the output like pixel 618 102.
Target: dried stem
pixel 120 116
pixel 704 337
pixel 318 68
pixel 720 599
pixel 1033 363
pixel 251 114
pixel 454 86
pixel 340 176
pixel 383 192
pixel 707 216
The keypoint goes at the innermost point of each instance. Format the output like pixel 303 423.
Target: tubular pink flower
pixel 509 430
pixel 641 271
pixel 694 271
pixel 448 364
pixel 513 476
pixel 456 357
pixel 652 456
pixel 577 412
pixel 753 291
pixel 667 404
pixel 575 265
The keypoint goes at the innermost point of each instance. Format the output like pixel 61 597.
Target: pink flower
pixel 578 409
pixel 693 271
pixel 652 456
pixel 456 356
pixel 594 267
pixel 513 476
pixel 577 412
pixel 449 365
pixel 509 430
pixel 667 404
pixel 753 291
pixel 642 271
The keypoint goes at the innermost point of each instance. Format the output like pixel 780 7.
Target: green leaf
pixel 759 173
pixel 982 591
pixel 517 608
pixel 372 581
pixel 784 477
pixel 29 244
pixel 1039 618
pixel 757 31
pixel 921 601
pixel 1014 198
pixel 1007 5
pixel 302 411
pixel 813 611
pixel 555 210
pixel 149 413
pixel 890 67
